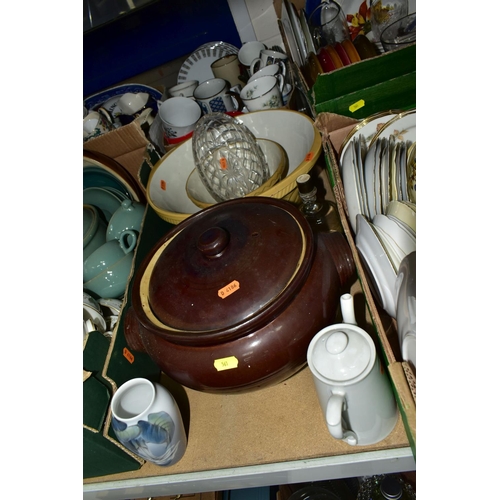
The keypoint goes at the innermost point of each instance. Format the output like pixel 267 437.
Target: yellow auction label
pixel 356 105
pixel 226 363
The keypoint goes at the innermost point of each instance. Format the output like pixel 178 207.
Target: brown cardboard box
pixel 128 145
pixel 334 129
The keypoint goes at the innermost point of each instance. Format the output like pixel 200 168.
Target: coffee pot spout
pixel 347 308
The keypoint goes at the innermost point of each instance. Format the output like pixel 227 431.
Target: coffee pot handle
pixel 336 404
pixel 334 408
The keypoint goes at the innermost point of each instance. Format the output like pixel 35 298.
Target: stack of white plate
pixel 378 173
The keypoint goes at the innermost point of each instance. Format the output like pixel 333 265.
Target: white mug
pixel 272 69
pixel 184 89
pixel 266 58
pixel 263 93
pixel 214 96
pixel 250 51
pixel 352 384
pixel 179 116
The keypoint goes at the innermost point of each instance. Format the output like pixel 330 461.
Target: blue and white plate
pixel 96 100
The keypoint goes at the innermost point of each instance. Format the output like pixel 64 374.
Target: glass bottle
pixel 321 214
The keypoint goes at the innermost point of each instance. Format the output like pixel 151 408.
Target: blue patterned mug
pixel 215 96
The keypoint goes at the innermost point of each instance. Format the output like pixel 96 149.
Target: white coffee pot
pixel 352 384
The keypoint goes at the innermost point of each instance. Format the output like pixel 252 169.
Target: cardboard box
pixel 366 87
pixel 280 423
pixel 107 364
pixel 128 145
pixel 334 129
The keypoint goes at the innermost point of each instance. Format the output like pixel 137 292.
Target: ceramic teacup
pixel 179 116
pixel 228 68
pixel 262 93
pixel 250 51
pixel 266 58
pixel 126 218
pixel 95 124
pixel 215 96
pixel 277 75
pixel 108 254
pixel 112 282
pixel 278 68
pixel 130 103
pixel 184 89
pixel 94 230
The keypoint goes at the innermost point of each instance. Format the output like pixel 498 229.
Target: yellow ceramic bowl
pixel 293 131
pixel 298 136
pixel 277 161
pixel 165 191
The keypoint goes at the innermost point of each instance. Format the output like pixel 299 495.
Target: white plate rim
pixel 350 187
pixel 370 122
pixel 358 160
pixel 369 175
pixel 307 34
pixel 401 237
pixel 297 29
pixel 404 226
pixel 384 177
pixel 406 121
pixel 290 38
pixel 380 266
pixel 394 253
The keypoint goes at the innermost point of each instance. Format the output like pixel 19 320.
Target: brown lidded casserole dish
pixel 229 299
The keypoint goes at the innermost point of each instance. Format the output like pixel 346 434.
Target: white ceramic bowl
pixel 294 131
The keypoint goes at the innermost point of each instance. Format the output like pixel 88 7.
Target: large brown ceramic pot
pixel 229 300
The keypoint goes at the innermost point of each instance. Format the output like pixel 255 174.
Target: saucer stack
pixel 377 164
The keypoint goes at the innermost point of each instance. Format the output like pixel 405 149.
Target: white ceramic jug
pixel 352 385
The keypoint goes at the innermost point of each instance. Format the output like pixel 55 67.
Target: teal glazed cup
pixel 109 254
pixel 94 230
pixel 112 282
pixel 126 218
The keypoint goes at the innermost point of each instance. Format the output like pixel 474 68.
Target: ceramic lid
pixel 230 268
pixel 341 354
